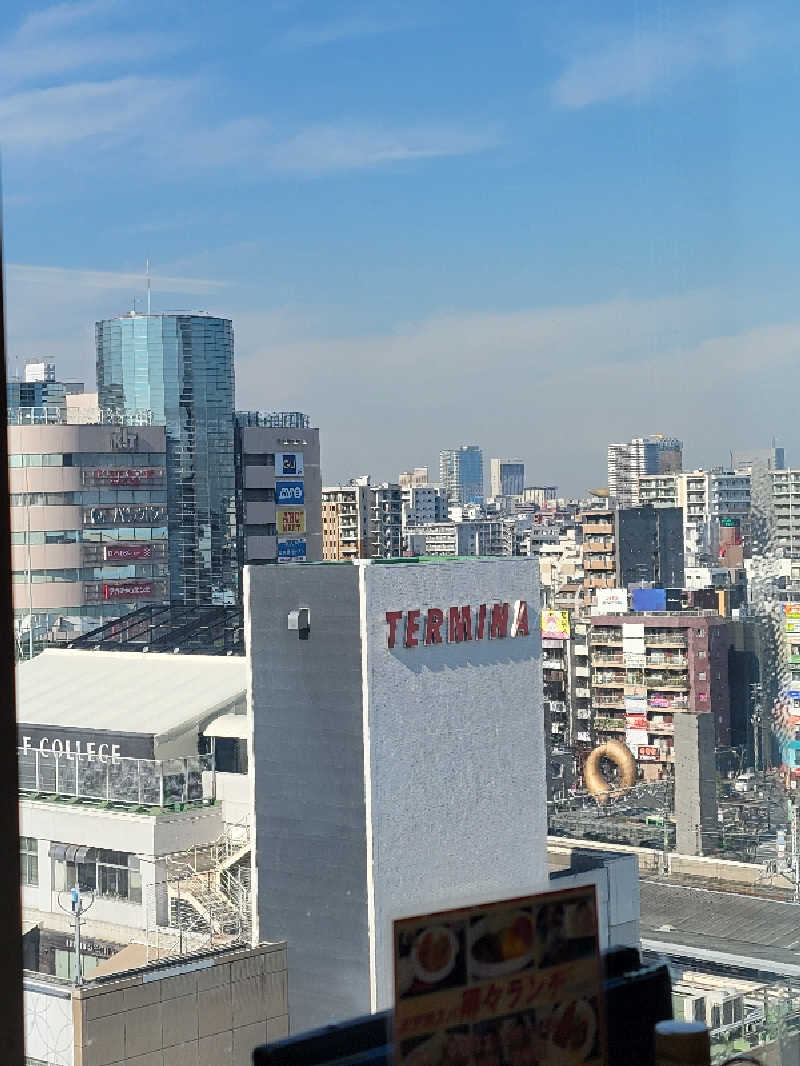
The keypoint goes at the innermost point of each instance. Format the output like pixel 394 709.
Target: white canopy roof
pixel 127 692
pixel 227 725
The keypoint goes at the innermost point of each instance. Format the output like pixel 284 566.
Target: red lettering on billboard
pixel 499 623
pixel 412 626
pixel 460 624
pixel 125 590
pixel 522 620
pixel 392 618
pixel 433 626
pixel 481 621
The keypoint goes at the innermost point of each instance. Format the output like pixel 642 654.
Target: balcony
pixel 665 640
pixel 608 681
pixel 595 547
pixel 667 683
pixel 600 702
pixel 607 636
pixel 591 563
pixel 590 528
pixel 583 712
pixel 609 725
pixel 606 659
pixel 582 671
pixel 676 662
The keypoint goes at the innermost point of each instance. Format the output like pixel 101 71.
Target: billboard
pixel 635 721
pixel 555 625
pixel 293 550
pixel 635 692
pixel 126 590
pixel 288 464
pixel 289 492
pixel 649 599
pixel 127 553
pixel 290 521
pixel 612 601
pixel 792 610
pixel 648 753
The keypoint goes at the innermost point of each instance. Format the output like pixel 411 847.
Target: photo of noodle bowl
pixel 501 943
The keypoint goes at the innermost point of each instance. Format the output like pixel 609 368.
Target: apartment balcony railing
pixel 599 700
pixel 675 640
pixel 609 725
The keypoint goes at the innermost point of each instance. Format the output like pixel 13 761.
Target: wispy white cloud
pixel 51 119
pixel 638 64
pixel 105 280
pixel 367 24
pixel 61 16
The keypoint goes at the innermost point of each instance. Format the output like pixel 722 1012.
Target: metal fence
pixel 114 779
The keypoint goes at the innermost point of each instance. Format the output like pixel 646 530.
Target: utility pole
pixel 77 909
pixel 665 852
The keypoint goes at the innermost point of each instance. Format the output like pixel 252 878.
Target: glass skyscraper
pixel 461 474
pixel 180 368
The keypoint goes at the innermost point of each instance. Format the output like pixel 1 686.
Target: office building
pixel 179 368
pixel 278 488
pixel 627 462
pixel 413 479
pixel 356 820
pixel 648 668
pixel 461 474
pixel 541 495
pixel 38 398
pixel 345 520
pixel 648 542
pixel 507 477
pixel 89 532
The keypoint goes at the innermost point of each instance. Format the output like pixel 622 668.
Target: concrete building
pixel 627 462
pixel 648 545
pixel 413 479
pixel 786 512
pixel 541 495
pixel 345 520
pixel 398 744
pixel 649 668
pixel 422 504
pixel 38 397
pixel 507 477
pixel 89 529
pixel 385 521
pixel 208 1009
pixel 476 536
pixel 461 474
pixel 599 552
pixel 179 368
pixel 696 825
pixel 278 488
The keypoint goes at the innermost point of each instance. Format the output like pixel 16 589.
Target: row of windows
pixel 87 497
pixel 88 573
pixel 29 860
pixel 110 875
pixel 92 536
pixel 99 460
pixel 268 529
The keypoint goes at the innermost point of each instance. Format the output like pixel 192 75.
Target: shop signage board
pixel 555 625
pixel 293 550
pixel 291 492
pixel 288 464
pixel 126 590
pixel 290 521
pixel 520 977
pixel 126 553
pixel 612 601
pixel 648 753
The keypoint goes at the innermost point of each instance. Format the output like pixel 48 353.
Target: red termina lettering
pixel 481 621
pixel 499 623
pixel 412 626
pixel 522 620
pixel 433 626
pixel 460 624
pixel 392 618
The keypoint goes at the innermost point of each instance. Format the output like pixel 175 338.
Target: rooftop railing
pixel 115 780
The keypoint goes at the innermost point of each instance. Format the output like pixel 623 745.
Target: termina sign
pixel 455 625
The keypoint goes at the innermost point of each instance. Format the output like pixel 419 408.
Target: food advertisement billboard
pixel 521 978
pixel 288 464
pixel 290 521
pixel 293 550
pixel 555 625
pixel 290 492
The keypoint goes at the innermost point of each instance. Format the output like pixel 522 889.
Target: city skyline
pixel 513 252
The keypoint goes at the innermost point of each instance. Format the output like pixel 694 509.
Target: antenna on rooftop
pixel 148 284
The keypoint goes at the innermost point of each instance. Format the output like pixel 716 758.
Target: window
pixel 29 860
pixel 259 495
pixel 701 676
pixel 109 874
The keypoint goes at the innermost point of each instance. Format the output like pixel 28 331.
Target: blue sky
pixel 534 227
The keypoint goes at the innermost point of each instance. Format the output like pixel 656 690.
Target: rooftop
pixel 137 692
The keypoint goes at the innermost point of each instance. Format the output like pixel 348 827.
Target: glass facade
pixel 180 367
pixel 461 474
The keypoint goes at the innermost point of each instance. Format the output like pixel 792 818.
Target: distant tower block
pixel 695 783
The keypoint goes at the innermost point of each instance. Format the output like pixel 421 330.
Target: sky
pixel 534 227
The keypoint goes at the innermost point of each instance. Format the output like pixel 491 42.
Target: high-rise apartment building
pixel 627 462
pixel 278 488
pixel 413 479
pixel 88 525
pixel 179 368
pixel 345 520
pixel 507 477
pixel 385 521
pixel 461 474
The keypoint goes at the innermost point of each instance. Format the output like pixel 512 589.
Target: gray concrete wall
pixel 696 825
pixel 307 768
pixel 456 748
